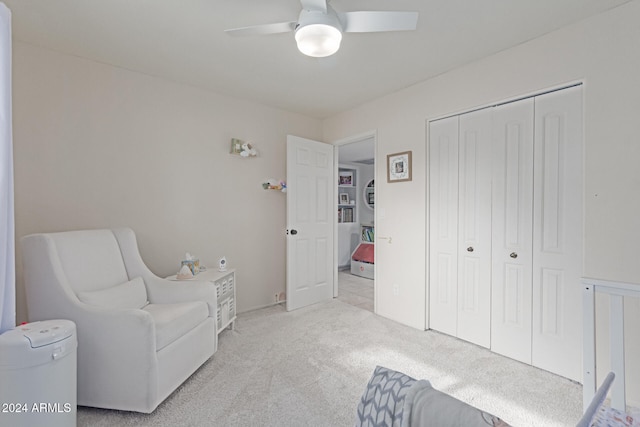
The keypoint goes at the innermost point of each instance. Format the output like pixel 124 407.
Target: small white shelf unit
pixel 225 283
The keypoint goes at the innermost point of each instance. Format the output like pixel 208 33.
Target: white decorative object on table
pixel 184 273
pixel 192 262
pixel 222 264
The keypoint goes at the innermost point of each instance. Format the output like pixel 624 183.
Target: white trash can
pixel 38 375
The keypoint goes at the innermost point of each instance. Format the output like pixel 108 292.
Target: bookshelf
pixel 347 202
pixel 362 258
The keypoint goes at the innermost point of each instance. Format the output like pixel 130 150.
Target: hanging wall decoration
pixel 399 167
pixel 242 148
pixel 274 184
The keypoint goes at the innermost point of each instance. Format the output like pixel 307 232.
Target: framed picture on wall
pixel 399 167
pixel 345 178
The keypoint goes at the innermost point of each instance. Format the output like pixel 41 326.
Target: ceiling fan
pixel 319 28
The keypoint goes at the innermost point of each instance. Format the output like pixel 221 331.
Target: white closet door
pixel 557 236
pixel 443 224
pixel 512 213
pixel 474 228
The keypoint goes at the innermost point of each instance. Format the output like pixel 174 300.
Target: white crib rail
pixel 617 291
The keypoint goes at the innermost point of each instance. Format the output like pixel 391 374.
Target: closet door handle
pixel 470 249
pixel 513 255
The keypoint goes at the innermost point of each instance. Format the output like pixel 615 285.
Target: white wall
pixel 601 51
pixel 98 146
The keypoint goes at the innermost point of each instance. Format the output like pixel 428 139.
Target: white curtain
pixel 7 233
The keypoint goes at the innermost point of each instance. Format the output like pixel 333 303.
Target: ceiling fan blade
pixel 375 21
pixel 259 30
pixel 320 5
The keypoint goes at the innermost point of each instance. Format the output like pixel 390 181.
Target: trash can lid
pixel 47 332
pixel 32 343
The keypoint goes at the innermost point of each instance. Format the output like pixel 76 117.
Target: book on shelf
pixel 367 234
pixel 345 215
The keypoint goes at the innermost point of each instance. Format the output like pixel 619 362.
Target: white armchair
pixel 139 336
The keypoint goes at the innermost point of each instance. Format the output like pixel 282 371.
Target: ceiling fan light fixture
pixel 318 40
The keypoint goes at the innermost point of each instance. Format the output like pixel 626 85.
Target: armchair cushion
pixel 175 320
pixel 127 295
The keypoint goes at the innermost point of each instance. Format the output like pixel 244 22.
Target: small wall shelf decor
pixel 399 167
pixel 242 148
pixel 274 184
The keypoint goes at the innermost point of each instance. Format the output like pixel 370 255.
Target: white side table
pixel 225 282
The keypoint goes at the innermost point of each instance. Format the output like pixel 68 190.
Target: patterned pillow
pixel 383 399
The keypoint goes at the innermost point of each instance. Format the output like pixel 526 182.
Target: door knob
pixel 513 255
pixel 470 249
pixel 294 232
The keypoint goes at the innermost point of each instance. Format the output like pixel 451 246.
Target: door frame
pixel 372 134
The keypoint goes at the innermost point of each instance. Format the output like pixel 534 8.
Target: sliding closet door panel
pixel 557 233
pixel 512 217
pixel 443 224
pixel 474 228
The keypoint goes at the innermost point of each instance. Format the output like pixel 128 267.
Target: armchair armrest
pixel 133 329
pixel 162 291
pixel 122 343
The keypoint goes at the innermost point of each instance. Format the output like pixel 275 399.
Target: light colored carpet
pixel 356 290
pixel 310 367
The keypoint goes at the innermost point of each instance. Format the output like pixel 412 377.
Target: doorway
pixel 355 227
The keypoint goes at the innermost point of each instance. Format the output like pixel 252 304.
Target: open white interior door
pixel 310 222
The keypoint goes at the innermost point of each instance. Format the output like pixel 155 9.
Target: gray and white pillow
pixel 383 400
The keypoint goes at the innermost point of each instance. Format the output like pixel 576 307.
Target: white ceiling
pixel 358 152
pixel 184 41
